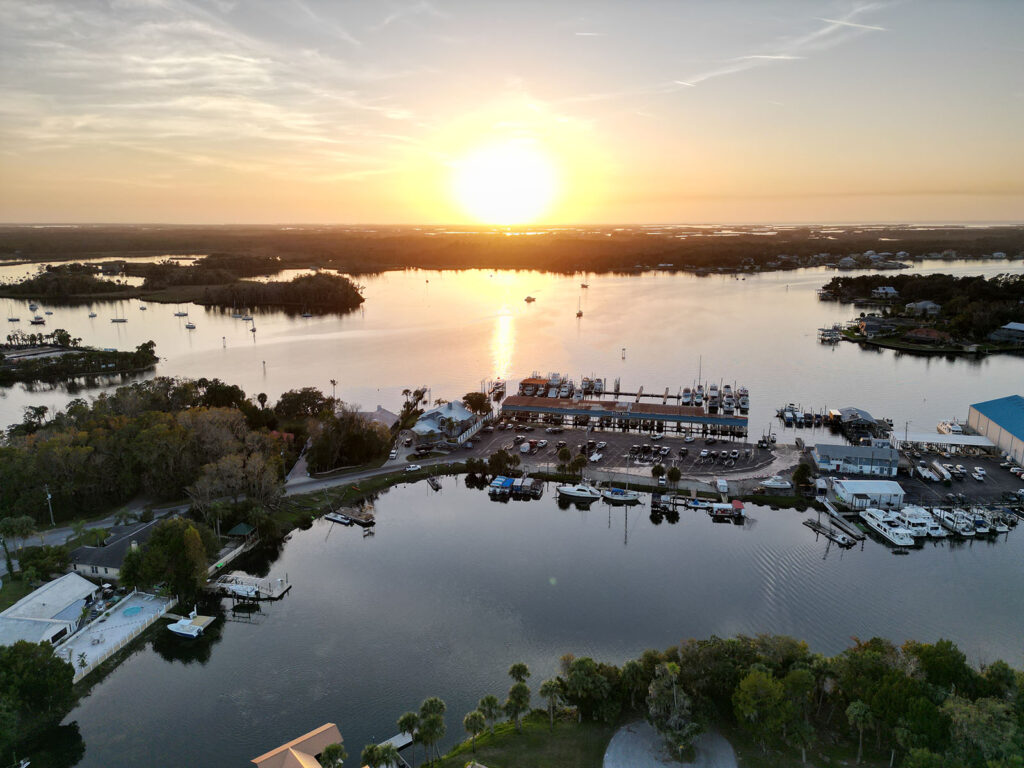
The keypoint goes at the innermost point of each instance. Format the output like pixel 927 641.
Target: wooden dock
pixel 842 524
pixel 249 587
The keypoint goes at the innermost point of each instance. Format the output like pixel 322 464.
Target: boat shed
pixel 50 613
pixel 856 459
pixel 861 494
pixel 1002 422
pixel 943 440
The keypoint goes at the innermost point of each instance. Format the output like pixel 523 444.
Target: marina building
pixel 861 494
pixel 50 613
pixel 1001 421
pixel 879 461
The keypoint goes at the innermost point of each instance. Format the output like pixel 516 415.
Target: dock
pixel 842 539
pixel 842 524
pixel 249 587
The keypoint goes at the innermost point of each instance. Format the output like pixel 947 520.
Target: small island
pixel 28 358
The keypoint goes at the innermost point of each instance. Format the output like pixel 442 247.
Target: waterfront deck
pixel 249 587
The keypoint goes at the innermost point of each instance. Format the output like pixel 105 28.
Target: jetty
pixel 249 587
pixel 838 537
pixel 842 524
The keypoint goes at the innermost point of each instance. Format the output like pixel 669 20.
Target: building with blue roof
pixel 1001 421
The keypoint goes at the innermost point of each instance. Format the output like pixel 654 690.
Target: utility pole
pixel 49 504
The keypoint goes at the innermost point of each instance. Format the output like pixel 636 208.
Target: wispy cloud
pixel 591 34
pixel 855 25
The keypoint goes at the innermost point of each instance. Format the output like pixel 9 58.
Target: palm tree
pixel 431 732
pixel 860 717
pixel 410 723
pixel 371 756
pixel 551 690
pixel 261 398
pixel 334 389
pixel 490 708
pixel 333 756
pixel 519 672
pixel 388 755
pixel 517 703
pixel 474 723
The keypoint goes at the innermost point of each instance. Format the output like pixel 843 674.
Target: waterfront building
pixel 105 560
pixel 884 292
pixel 447 419
pixel 856 459
pixel 861 494
pixel 927 336
pixel 50 613
pixel 303 752
pixel 380 416
pixel 1009 332
pixel 925 307
pixel 1001 421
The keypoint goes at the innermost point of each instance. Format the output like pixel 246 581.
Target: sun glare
pixel 509 183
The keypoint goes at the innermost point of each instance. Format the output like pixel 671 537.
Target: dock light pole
pixel 49 504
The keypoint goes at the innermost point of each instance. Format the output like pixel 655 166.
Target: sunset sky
pixel 269 111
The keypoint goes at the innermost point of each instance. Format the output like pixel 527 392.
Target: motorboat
pixel 190 326
pixel 13 319
pixel 698 504
pixel 33 306
pixel 339 518
pixel 981 524
pixel 37 320
pixel 917 521
pixel 620 496
pixel 191 626
pixel 92 314
pixel 119 319
pixel 529 299
pixel 307 314
pixel 579 491
pixel 48 312
pixel 143 307
pixel 954 521
pixel 778 482
pixel 887 525
pixel 248 591
pixel 687 396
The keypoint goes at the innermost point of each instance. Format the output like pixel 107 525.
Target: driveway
pixel 638 745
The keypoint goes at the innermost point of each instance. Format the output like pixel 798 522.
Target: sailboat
pixel 180 312
pixel 117 318
pixel 579 308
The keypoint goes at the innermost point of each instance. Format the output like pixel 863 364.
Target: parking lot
pixel 995 487
pixel 612 450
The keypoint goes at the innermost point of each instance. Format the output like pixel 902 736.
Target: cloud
pixel 844 23
pixel 590 34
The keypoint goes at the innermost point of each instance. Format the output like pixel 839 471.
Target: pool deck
pixel 111 631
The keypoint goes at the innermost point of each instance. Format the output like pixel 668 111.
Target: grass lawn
pixel 570 745
pixel 12 591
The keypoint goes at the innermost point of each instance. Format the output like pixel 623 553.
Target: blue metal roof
pixel 1007 412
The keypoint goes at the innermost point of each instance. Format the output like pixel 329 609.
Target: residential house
pixel 926 308
pixel 50 613
pixel 1009 332
pixel 927 336
pixel 884 292
pixel 303 752
pixel 875 326
pixel 447 419
pixel 104 562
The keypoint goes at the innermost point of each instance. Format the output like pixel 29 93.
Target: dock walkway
pixel 249 587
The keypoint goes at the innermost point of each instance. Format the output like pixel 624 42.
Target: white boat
pixel 580 491
pixel 698 504
pixel 191 626
pixel 954 521
pixel 918 522
pixel 887 525
pixel 33 306
pixel 620 496
pixel 337 517
pixel 981 524
pixel 190 326
pixel 250 591
pixel 777 481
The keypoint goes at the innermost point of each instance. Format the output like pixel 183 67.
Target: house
pixel 927 336
pixel 1001 421
pixel 1009 332
pixel 50 613
pixel 302 752
pixel 885 292
pixel 856 459
pixel 926 308
pixel 861 494
pixel 446 419
pixel 847 262
pixel 380 416
pixel 105 560
pixel 875 326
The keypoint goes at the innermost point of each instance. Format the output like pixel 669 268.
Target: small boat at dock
pixel 887 526
pixel 192 626
pixel 620 496
pixel 339 518
pixel 579 492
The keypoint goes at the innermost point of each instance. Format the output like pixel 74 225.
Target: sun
pixel 506 183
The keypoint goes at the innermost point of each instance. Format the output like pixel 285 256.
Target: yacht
pixel 919 522
pixel 744 404
pixel 887 525
pixel 777 481
pixel 726 391
pixel 981 524
pixel 687 396
pixel 620 496
pixel 580 492
pixel 954 521
pixel 728 406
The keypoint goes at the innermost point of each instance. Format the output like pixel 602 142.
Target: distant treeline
pixel 569 250
pixel 215 269
pixel 62 282
pixel 972 307
pixel 320 292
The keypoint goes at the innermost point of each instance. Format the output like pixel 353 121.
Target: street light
pixel 50 505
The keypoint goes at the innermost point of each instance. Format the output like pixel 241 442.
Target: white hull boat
pixel 580 492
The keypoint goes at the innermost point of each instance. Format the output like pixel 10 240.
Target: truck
pixel 941 471
pixel 721 485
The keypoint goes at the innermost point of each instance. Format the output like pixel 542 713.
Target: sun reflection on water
pixel 502 342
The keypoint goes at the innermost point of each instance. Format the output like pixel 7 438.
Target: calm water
pixel 453 588
pixel 452 330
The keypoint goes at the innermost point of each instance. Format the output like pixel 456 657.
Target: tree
pixel 261 398
pixel 477 402
pixel 474 723
pixel 759 703
pixel 410 723
pixel 517 703
pixel 333 756
pixel 860 717
pixel 432 728
pixel 490 708
pixel 36 679
pixel 658 470
pixel 551 692
pixel 983 728
pixel 585 687
pixel 802 474
pixel 669 708
pixel 674 475
pixel 632 679
pixel 577 465
pixel 519 672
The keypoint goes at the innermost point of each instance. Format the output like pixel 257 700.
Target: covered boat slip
pixel 626 414
pixel 918 439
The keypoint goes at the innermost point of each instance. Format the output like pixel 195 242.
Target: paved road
pixel 638 745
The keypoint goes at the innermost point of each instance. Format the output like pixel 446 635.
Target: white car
pixel 704 453
pixel 979 478
pixel 413 468
pixel 688 439
pixel 393 454
pixel 542 443
pixel 657 436
pixel 602 445
pixel 980 471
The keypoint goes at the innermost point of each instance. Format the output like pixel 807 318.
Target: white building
pixel 861 494
pixel 881 461
pixel 926 307
pixel 447 419
pixel 885 292
pixel 1002 422
pixel 50 613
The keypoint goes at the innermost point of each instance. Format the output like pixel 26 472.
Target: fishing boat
pixel 887 525
pixel 191 626
pixel 579 492
pixel 777 482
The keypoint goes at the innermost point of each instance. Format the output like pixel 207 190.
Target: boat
pixel 620 496
pixel 48 312
pixel 37 320
pixel 529 299
pixel 731 511
pixel 579 491
pixel 955 521
pixel 687 396
pixel 13 319
pixel 919 522
pixel 887 525
pixel 500 487
pixel 579 309
pixel 190 326
pixel 982 527
pixel 247 318
pixel 698 504
pixel 249 591
pixel 339 518
pixel 778 482
pixel 307 314
pixel 143 307
pixel 33 306
pixel 119 319
pixel 253 329
pixel 92 314
pixel 181 313
pixel 191 626
pixel 584 285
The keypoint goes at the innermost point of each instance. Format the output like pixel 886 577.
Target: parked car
pixel 393 454
pixel 683 450
pixel 734 454
pixel 488 429
pixel 704 453
pixel 542 443
pixel 661 480
pixel 980 471
pixel 519 439
pixel 561 444
pixel 657 436
pixel 413 468
pixel 408 442
pixel 688 439
pixel 601 445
